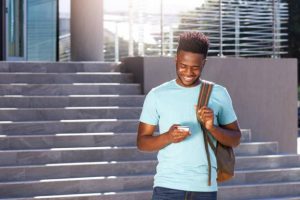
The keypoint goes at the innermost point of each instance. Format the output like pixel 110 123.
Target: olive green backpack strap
pixel 204 95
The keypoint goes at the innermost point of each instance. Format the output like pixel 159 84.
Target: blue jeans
pixel 160 193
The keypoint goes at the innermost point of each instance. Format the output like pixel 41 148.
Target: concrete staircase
pixel 68 131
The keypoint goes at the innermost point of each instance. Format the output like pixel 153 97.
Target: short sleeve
pixel 149 113
pixel 226 114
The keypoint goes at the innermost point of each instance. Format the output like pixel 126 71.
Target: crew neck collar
pixel 182 87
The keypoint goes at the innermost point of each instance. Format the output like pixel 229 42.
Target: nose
pixel 189 71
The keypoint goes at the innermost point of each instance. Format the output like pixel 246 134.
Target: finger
pixel 204 110
pixel 175 125
pixel 182 138
pixel 209 114
pixel 184 134
pixel 179 135
pixel 179 140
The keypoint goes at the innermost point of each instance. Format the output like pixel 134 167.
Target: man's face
pixel 188 68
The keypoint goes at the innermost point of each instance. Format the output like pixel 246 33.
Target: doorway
pixel 15 30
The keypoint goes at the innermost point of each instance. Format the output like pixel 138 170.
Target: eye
pixel 182 66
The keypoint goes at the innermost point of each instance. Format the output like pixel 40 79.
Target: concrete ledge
pixel 263 90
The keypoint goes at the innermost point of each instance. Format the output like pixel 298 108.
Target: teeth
pixel 188 79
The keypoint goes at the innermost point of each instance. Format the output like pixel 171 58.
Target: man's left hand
pixel 206 116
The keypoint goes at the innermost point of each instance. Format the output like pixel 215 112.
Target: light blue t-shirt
pixel 184 166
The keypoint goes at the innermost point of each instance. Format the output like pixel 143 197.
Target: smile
pixel 188 78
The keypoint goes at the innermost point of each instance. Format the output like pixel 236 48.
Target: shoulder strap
pixel 204 95
pixel 205 92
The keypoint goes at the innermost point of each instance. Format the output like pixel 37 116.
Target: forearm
pixel 152 143
pixel 225 136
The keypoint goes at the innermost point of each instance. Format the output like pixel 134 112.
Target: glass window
pixel 41 30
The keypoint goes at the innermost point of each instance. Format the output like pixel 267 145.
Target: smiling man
pixel 182 170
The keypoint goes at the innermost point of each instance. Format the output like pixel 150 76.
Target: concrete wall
pixel 263 91
pixel 87 30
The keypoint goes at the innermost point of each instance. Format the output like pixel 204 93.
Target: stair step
pixel 75 186
pixel 44 114
pixel 129 195
pixel 257 148
pixel 104 153
pixel 71 126
pixel 68 131
pixel 68 126
pixel 73 170
pixel 265 176
pixel 59 170
pixel 86 154
pixel 256 191
pixel 65 78
pixel 70 101
pixel 62 140
pixel 69 89
pixel 58 67
pixel 132 195
pixel 139 182
pixel 126 168
pixel 267 161
pixel 282 198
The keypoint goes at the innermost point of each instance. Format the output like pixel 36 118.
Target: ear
pixel 203 63
pixel 175 58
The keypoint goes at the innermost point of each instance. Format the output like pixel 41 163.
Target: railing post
pixel 141 28
pixel 116 42
pixel 278 28
pixel 237 31
pixel 221 27
pixel 274 32
pixel 130 40
pixel 171 41
pixel 161 28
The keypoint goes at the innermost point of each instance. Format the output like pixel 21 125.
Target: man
pixel 182 170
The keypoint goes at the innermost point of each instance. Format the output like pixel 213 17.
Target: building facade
pixel 29 30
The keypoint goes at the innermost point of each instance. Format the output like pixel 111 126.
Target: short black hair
pixel 195 42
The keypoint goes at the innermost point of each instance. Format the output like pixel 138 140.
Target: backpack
pixel 224 155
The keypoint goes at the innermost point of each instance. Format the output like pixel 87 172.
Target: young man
pixel 182 170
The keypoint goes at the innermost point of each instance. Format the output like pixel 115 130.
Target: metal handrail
pixel 235 28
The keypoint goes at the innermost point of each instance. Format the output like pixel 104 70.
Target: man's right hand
pixel 176 135
pixel 146 141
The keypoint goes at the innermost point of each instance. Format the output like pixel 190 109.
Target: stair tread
pixel 72 108
pixel 64 73
pixel 103 148
pixel 86 134
pixel 281 198
pixel 70 196
pixel 260 184
pixel 135 176
pixel 138 161
pixel 82 195
pixel 79 164
pixel 118 178
pixel 126 176
pixel 76 179
pixel 68 84
pixel 72 120
pixel 74 96
pixel 86 80
pixel 66 134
